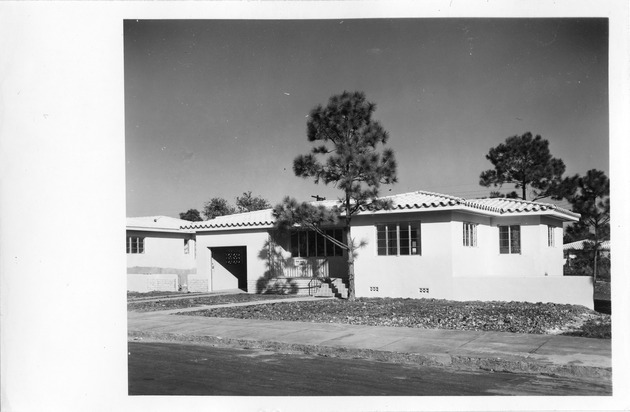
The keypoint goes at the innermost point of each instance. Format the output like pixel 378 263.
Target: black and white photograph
pixel 433 190
pixel 325 208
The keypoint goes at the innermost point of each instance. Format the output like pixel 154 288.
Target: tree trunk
pixel 595 266
pixel 596 253
pixel 524 191
pixel 351 290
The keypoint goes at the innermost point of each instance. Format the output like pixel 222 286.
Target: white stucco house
pixel 429 245
pixel 160 255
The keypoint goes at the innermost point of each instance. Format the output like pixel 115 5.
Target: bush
pixel 593 328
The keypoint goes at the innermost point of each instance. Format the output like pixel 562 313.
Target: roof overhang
pixel 159 229
pixel 569 217
pixel 217 228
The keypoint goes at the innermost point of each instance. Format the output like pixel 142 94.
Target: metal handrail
pixel 318 285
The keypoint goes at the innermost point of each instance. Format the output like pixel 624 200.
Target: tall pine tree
pixel 526 162
pixel 349 153
pixel 589 196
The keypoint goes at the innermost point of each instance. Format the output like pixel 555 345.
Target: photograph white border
pixel 62 218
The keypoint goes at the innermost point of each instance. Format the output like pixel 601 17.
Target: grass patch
pixel 153 294
pixel 191 302
pixel 520 317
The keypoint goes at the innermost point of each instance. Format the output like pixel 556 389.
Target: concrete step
pixel 324 291
pixel 339 288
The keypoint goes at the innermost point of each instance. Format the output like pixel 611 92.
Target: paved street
pixel 184 369
pixel 513 352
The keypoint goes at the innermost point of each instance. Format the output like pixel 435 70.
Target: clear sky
pixel 215 108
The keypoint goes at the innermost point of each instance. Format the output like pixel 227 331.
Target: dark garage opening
pixel 234 259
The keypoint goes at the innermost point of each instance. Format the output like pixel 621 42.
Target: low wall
pixel 144 270
pixel 574 290
pixel 152 282
pixel 197 283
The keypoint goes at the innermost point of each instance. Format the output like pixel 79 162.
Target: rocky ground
pixel 519 317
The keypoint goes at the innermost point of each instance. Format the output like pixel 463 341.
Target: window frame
pixel 135 245
pixel 551 236
pixel 469 237
pixel 393 241
pixel 509 249
pixel 306 243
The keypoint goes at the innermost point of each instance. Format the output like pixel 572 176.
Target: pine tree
pixel 348 155
pixel 590 197
pixel 526 162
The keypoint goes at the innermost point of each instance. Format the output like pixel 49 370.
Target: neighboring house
pixel 160 255
pixel 573 264
pixel 428 246
pixel 579 245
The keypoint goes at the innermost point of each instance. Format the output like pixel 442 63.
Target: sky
pixel 215 108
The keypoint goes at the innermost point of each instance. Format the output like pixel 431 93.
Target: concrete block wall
pixel 152 282
pixel 198 283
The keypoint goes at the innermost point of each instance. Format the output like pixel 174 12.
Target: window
pixel 470 234
pixel 135 244
pixel 510 239
pixel 550 238
pixel 308 243
pixel 186 246
pixel 399 238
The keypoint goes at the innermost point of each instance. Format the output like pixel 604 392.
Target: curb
pixel 470 362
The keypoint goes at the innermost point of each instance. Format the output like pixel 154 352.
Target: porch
pixel 306 276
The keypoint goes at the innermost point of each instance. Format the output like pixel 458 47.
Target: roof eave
pixel 157 229
pixel 231 227
pixel 410 209
pixel 475 210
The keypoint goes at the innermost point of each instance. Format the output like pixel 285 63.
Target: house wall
pixel 428 275
pixel 473 260
pixel 162 260
pixel 526 263
pixel 574 290
pixel 162 251
pixel 536 257
pixel 448 270
pixel 552 256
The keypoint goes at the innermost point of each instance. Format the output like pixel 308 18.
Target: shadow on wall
pixel 277 261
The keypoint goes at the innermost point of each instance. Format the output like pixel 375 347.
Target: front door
pixel 229 268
